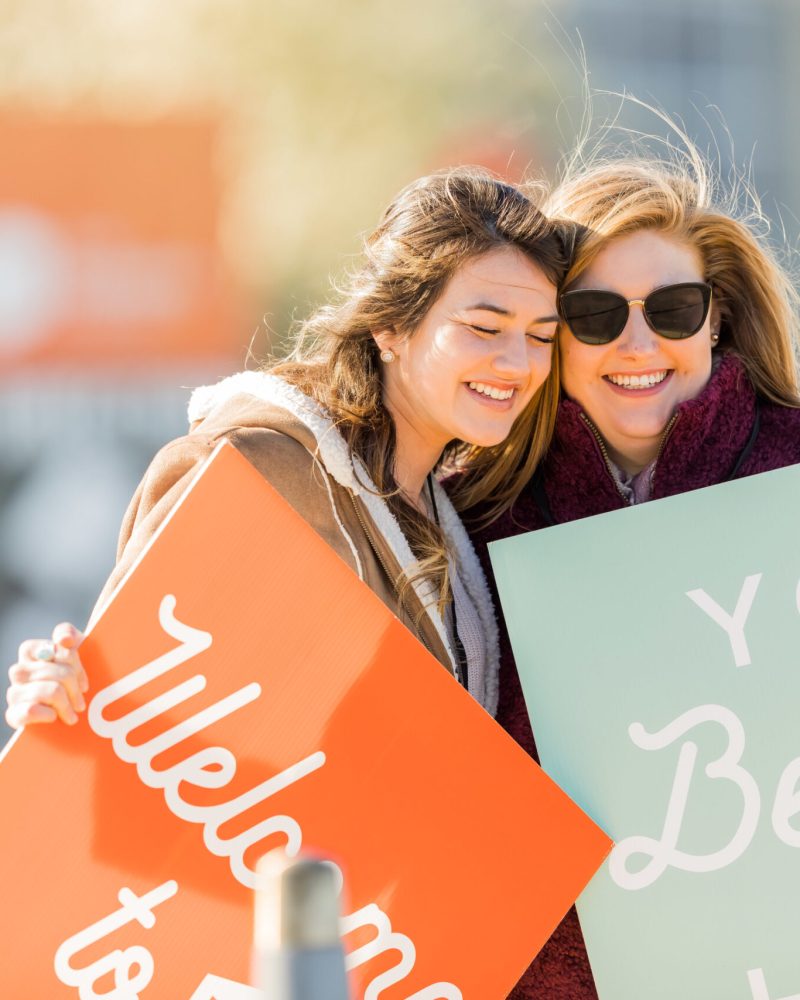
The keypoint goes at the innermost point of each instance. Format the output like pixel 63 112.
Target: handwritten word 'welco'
pixel 211 768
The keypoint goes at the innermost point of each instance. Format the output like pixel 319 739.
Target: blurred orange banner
pixel 252 694
pixel 108 245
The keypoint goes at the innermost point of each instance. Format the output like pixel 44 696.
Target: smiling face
pixel 607 380
pixel 476 359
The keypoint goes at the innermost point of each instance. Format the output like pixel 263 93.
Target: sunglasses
pixel 595 316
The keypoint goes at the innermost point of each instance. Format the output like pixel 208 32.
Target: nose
pixel 637 338
pixel 512 359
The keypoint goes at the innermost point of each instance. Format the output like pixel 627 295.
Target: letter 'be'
pixel 664 852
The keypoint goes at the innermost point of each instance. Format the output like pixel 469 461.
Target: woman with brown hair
pixel 439 346
pixel 677 367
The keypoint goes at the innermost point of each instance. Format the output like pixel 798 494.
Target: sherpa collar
pixel 350 473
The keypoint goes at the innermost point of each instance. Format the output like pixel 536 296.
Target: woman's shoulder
pixel 269 438
pixel 251 422
pixel 778 414
pixel 279 446
pixel 778 441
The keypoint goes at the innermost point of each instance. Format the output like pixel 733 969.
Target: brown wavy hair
pixel 677 194
pixel 430 230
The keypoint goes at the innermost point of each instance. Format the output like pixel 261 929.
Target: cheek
pixel 580 368
pixel 541 361
pixel 448 353
pixel 420 360
pixel 692 359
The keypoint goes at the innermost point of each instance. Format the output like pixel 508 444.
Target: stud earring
pixel 715 339
pixel 387 357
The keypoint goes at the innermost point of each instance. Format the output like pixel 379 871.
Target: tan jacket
pixel 294 445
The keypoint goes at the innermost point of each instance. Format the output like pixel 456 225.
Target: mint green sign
pixel 659 651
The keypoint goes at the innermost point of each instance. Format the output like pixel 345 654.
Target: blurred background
pixel 179 181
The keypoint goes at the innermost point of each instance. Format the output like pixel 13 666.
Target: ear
pixel 386 340
pixel 716 319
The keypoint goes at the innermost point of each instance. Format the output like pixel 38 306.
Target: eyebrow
pixel 491 307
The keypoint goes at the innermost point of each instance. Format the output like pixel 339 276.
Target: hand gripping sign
pixel 671 716
pixel 250 695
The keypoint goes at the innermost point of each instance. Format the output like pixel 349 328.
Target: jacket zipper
pixel 603 451
pixel 602 445
pixel 376 550
pixel 664 438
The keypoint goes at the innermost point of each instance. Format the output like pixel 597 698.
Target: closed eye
pixel 482 329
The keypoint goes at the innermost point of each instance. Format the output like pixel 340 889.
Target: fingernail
pixel 72 718
pixel 84 685
pixel 81 704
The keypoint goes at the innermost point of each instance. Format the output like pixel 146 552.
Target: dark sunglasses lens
pixel 594 317
pixel 678 311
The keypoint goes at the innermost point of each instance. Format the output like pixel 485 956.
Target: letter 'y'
pixel 733 624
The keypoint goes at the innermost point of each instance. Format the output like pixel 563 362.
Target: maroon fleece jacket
pixel 726 432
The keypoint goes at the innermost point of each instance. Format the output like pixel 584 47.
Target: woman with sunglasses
pixel 677 369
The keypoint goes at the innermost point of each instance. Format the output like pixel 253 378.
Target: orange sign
pixel 108 245
pixel 250 694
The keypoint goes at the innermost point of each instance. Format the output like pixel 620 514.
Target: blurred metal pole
pixel 298 952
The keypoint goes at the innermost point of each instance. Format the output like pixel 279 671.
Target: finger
pixel 22 674
pixel 29 713
pixel 34 653
pixel 72 658
pixel 30 647
pixel 19 673
pixel 68 669
pixel 66 636
pixel 50 693
pixel 71 675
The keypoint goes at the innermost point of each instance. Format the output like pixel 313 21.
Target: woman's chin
pixel 636 441
pixel 643 424
pixel 484 439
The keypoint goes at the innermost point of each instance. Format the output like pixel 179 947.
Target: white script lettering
pixel 211 767
pixel 214 767
pixel 132 907
pixel 732 624
pixel 217 988
pixel 388 940
pixel 758 987
pixel 664 852
pixel 787 804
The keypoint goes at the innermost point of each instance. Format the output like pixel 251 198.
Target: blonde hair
pixel 676 194
pixel 430 230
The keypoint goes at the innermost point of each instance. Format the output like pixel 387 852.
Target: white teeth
pixel 491 391
pixel 638 381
